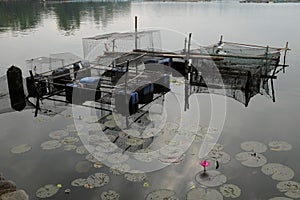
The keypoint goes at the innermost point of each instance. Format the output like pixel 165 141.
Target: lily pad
pixel 110 195
pixel 135 176
pixel 70 140
pixel 203 194
pixel 69 147
pixel 211 178
pixel 59 134
pixel 117 158
pixel 251 159
pixel 119 169
pixel 46 191
pixel 95 127
pixel 280 146
pixel 173 160
pixel 21 149
pixel 280 198
pixel 278 171
pixel 98 179
pixel 110 124
pixel 96 157
pixel 85 149
pixel 51 144
pixel 230 191
pixel 291 188
pixel 106 147
pixel 134 141
pixel 145 155
pixel 162 194
pixel 79 182
pixel 83 166
pixel 171 151
pixel 220 156
pixel 254 146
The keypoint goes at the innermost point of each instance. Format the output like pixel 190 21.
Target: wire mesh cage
pixel 97 46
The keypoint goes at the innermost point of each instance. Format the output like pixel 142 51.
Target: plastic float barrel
pixel 91 88
pixel 15 87
pixel 61 77
pixel 120 102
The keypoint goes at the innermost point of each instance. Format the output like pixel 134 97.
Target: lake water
pixel 31 29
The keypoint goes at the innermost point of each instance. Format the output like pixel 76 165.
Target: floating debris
pixel 58 135
pixel 135 176
pixel 119 169
pixel 280 198
pixel 280 146
pixel 98 165
pixel 146 184
pixel 110 124
pixel 98 179
pixel 162 195
pixel 254 146
pixel 51 144
pixel 251 159
pixel 205 194
pixel 69 147
pixel 211 178
pixel 67 191
pixel 20 149
pixel 230 191
pixel 70 140
pixel 85 149
pixel 79 182
pixel 83 166
pixel 278 171
pixel 46 191
pixel 110 195
pixel 291 188
pixel 59 185
pixel 117 158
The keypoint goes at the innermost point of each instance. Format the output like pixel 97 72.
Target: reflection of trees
pixel 19 15
pixel 22 15
pixel 70 15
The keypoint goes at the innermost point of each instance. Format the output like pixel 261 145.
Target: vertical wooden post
pixel 113 45
pixel 127 100
pixel 186 70
pixel 184 49
pixel 221 40
pixel 284 57
pixel 135 29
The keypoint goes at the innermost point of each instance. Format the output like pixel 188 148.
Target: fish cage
pixel 54 61
pixel 244 54
pixel 98 46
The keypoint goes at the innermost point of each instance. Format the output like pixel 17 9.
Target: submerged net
pixel 97 46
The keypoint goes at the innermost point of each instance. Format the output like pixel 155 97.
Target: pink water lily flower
pixel 204 164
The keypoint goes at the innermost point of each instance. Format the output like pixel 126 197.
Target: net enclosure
pixel 97 46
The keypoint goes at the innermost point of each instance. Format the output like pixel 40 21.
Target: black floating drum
pixel 132 100
pixel 15 87
pixel 61 77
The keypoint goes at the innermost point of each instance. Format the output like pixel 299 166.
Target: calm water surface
pixel 29 30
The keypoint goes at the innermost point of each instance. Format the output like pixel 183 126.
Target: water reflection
pixel 22 16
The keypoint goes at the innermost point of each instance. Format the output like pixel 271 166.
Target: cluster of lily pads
pixel 253 157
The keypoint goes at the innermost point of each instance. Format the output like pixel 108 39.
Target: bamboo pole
pixel 135 27
pixel 284 57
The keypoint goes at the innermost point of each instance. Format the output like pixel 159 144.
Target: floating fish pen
pixel 244 55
